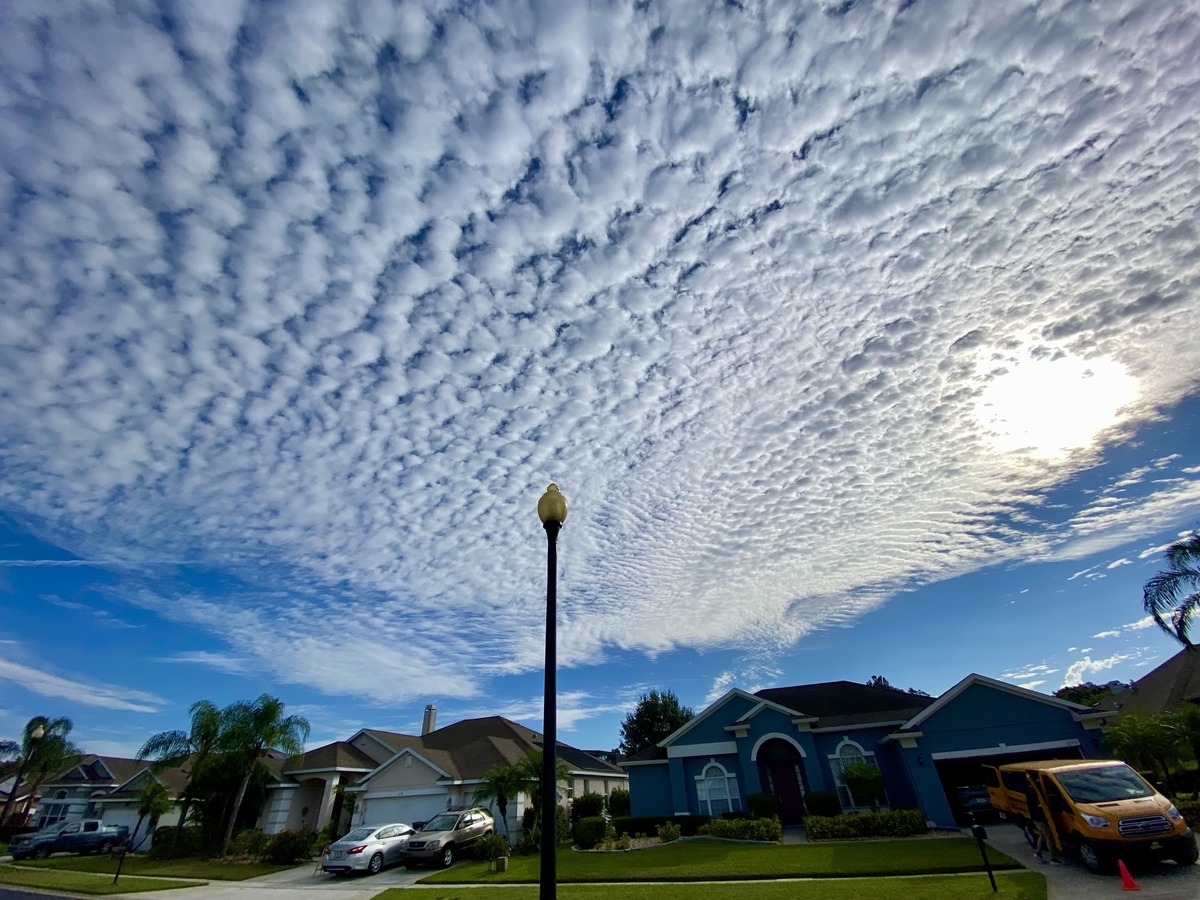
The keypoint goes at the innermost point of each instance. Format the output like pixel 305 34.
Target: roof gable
pixel 982 680
pixel 1173 682
pixel 705 714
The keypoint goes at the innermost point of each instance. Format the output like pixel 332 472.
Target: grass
pixel 83 882
pixel 206 869
pixel 709 860
pixel 1021 885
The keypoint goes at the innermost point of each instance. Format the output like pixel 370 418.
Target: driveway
pixel 1165 881
pixel 293 883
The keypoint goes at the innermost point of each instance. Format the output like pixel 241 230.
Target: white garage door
pixel 381 810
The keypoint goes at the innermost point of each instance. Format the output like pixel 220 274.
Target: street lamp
pixel 552 510
pixel 35 735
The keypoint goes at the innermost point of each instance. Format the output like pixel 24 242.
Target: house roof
pixel 940 702
pixel 99 771
pixel 847 702
pixel 173 779
pixel 468 749
pixel 338 755
pixel 1174 682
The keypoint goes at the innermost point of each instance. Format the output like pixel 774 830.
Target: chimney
pixel 429 723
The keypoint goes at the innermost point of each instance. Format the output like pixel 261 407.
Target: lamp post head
pixel 553 506
pixel 38 733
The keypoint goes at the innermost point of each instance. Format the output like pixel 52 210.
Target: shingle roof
pixel 1174 682
pixel 847 702
pixel 99 770
pixel 338 755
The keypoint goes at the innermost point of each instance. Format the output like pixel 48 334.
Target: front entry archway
pixel 781 772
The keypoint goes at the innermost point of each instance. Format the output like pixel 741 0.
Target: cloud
pixel 1029 672
pixel 322 301
pixel 1141 624
pixel 1078 671
pixel 221 662
pixel 87 692
pixel 1106 634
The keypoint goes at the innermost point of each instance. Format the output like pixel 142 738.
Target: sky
pixel 859 336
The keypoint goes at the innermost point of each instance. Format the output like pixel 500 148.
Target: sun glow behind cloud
pixel 1049 407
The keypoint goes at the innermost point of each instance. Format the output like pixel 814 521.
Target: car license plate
pixel 338 854
pixel 1155 845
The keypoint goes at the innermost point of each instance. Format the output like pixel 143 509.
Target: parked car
pixel 84 836
pixel 1099 808
pixel 973 804
pixel 367 848
pixel 445 835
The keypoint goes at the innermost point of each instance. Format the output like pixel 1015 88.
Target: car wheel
pixel 105 848
pixel 41 854
pixel 1091 857
pixel 448 856
pixel 1188 853
pixel 376 864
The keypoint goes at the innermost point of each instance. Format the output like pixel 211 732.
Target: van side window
pixel 989 777
pixel 1052 792
pixel 1014 780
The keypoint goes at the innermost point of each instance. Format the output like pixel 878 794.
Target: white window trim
pixel 703 797
pixel 835 767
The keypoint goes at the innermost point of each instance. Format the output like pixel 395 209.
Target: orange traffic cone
pixel 1127 882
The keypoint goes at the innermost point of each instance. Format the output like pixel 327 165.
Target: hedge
pixel 587 805
pixel 744 829
pixel 822 803
pixel 1190 810
pixel 589 832
pixel 884 823
pixel 618 802
pixel 689 826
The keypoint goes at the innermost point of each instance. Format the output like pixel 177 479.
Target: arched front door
pixel 781 772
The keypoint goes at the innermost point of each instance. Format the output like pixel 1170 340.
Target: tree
pixel 173 748
pixel 40 757
pixel 1176 592
pixel 154 801
pixel 1088 693
pixel 250 729
pixel 529 773
pixel 879 681
pixel 501 784
pixel 656 715
pixel 1150 741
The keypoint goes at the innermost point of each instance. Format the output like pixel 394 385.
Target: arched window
pixel 717 790
pixel 848 752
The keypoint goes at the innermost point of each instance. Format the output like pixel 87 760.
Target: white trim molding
pixel 1005 748
pixel 776 736
pixel 714 749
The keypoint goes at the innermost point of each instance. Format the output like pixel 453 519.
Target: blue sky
pixel 860 338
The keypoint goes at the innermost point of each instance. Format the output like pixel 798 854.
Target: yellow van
pixel 1100 809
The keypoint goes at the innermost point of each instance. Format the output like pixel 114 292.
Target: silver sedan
pixel 367 849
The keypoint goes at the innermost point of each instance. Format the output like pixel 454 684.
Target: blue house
pixel 791 741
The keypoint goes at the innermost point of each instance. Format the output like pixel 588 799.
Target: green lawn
pixel 1022 885
pixel 82 882
pixel 208 869
pixel 705 860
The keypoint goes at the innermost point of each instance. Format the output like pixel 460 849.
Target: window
pixel 717 791
pixel 848 752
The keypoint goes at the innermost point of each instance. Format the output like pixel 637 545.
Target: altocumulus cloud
pixel 325 293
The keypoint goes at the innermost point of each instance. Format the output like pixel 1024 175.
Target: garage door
pixel 965 770
pixel 381 810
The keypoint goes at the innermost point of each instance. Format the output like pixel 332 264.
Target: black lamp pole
pixel 552 510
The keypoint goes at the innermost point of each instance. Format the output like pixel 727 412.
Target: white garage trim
pixel 1004 748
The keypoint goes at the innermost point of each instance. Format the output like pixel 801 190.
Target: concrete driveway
pixel 1165 881
pixel 292 883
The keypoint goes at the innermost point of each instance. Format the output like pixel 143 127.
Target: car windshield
pixel 358 834
pixel 444 822
pixel 1104 784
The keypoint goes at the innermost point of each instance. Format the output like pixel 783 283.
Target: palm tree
pixel 249 730
pixel 502 783
pixel 1176 592
pixel 44 750
pixel 530 772
pixel 153 801
pixel 173 748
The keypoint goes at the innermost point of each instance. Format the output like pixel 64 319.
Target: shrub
pixel 248 843
pixel 491 846
pixel 744 829
pixel 822 803
pixel 865 782
pixel 288 847
pixel 531 838
pixel 1190 810
pixel 668 831
pixel 590 831
pixel 587 805
pixel 884 823
pixel 618 802
pixel 191 842
pixel 688 825
pixel 763 806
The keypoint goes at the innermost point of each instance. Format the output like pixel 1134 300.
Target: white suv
pixel 443 837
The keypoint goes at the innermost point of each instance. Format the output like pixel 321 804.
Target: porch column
pixel 328 795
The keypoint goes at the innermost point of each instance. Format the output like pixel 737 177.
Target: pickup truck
pixel 84 836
